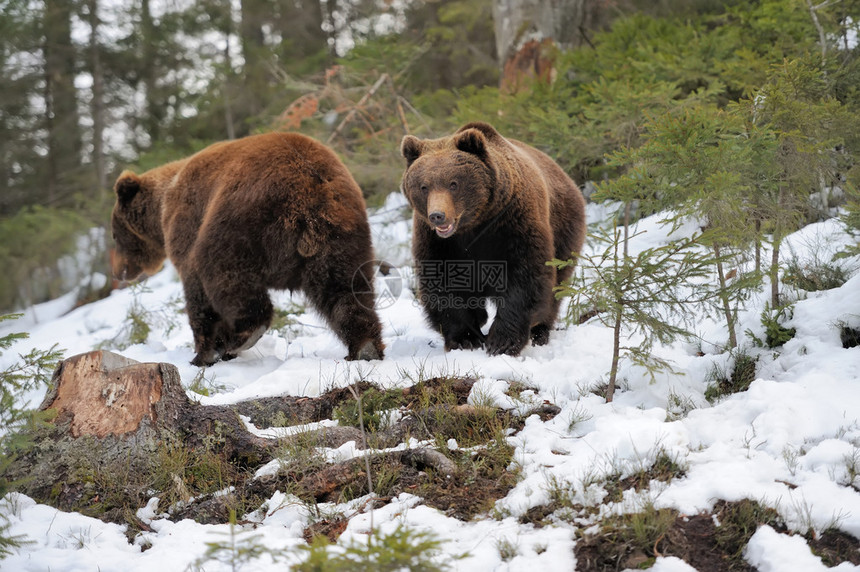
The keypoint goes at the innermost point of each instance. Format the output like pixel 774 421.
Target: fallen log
pixel 294 410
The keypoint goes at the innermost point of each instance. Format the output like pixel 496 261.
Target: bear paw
pixel 503 340
pixel 540 335
pixel 368 352
pixel 205 358
pixel 467 340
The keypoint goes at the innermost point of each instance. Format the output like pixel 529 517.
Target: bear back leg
pixel 340 288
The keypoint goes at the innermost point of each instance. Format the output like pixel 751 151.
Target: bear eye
pixel 453 185
pixel 423 188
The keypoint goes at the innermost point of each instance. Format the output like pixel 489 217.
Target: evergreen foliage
pixel 807 128
pixel 643 297
pixel 692 161
pixel 35 239
pixel 31 241
pixel 401 549
pixel 775 334
pixel 29 373
pixel 238 550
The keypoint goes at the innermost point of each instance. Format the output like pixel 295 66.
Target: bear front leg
pixel 248 313
pixel 540 334
pixel 206 324
pixel 527 296
pixel 457 314
pixel 460 328
pixel 463 336
pixel 511 327
pixel 507 337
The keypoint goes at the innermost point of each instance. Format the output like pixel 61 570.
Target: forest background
pixel 628 94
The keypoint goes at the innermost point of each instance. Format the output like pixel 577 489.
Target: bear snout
pixel 119 265
pixel 444 231
pixel 437 218
pixel 128 270
pixel 122 273
pixel 440 213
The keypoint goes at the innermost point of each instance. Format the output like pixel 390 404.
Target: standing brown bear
pixel 278 211
pixel 489 212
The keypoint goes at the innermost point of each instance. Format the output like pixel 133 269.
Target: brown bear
pixel 489 213
pixel 273 211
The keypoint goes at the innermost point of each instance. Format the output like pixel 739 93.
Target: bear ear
pixel 471 141
pixel 488 130
pixel 411 148
pixel 127 186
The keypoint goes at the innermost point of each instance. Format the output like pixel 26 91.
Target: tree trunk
pixel 627 209
pixel 228 89
pixel 61 105
pixel 97 105
pixel 619 313
pixel 329 8
pixel 302 24
pixel 822 36
pixel 774 272
pixel 724 297
pixel 616 355
pixel 254 52
pixel 565 22
pixel 757 243
pixel 780 224
pixel 150 71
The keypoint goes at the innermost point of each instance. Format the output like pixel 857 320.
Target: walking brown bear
pixel 489 212
pixel 272 211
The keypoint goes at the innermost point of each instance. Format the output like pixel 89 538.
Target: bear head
pixel 451 182
pixel 136 228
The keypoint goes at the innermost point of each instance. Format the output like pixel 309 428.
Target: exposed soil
pixel 469 494
pixel 290 410
pixel 701 543
pixel 331 529
pixel 835 547
pixel 460 484
pixel 437 407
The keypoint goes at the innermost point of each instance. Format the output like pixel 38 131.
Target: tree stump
pixel 109 416
pixel 102 393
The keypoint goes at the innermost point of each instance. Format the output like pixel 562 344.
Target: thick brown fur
pixel 273 211
pixel 483 200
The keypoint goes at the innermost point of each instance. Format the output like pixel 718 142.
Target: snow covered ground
pixel 791 442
